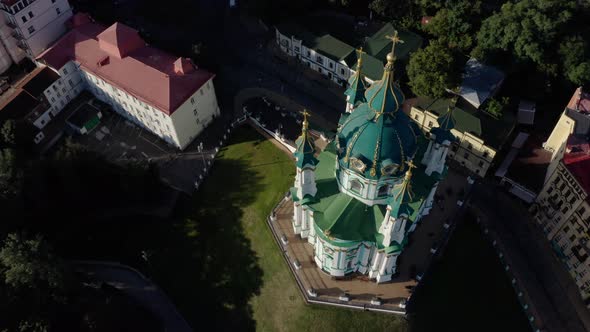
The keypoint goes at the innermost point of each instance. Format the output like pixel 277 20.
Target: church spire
pixel 385 96
pixel 357 88
pixel 403 194
pixel 305 149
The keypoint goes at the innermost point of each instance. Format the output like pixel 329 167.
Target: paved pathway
pixel 134 284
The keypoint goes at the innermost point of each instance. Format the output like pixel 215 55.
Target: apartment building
pixel 479 135
pixel 36 24
pixel 562 208
pixel 166 95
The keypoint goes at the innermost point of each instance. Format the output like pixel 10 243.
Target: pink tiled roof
pixel 577 160
pixel 120 57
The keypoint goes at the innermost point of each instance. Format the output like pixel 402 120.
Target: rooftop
pixel 118 55
pixel 493 131
pixel 577 159
pixel 17 106
pixel 480 82
pixel 39 80
pixel 530 164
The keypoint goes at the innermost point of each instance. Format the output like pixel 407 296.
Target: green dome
pixel 378 137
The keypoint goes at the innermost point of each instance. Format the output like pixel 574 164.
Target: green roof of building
pixel 372 67
pixel 493 131
pixel 304 148
pixel 357 86
pixel 379 46
pixel 345 221
pixel 377 132
pixel 331 47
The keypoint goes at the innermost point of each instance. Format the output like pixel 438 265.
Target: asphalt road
pixel 553 297
pixel 138 287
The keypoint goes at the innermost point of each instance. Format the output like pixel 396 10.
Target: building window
pixel 486 154
pixel 480 163
pixel 58 11
pixel 52 100
pixel 331 65
pixel 564 210
pixel 416 117
pixel 31 15
pixel 193 101
pixel 342 71
pixel 383 191
pixel 195 112
pixel 24 18
pixel 466 156
pixel 71 83
pixel 319 59
pixel 296 48
pixel 31 29
pixel 65 71
pixel 430 124
pixel 201 91
pixel 469 146
pixel 356 186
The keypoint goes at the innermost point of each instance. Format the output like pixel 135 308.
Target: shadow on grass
pixel 467 289
pixel 200 258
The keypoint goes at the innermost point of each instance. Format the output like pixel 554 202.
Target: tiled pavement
pixel 360 290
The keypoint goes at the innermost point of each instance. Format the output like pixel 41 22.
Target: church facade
pixel 358 200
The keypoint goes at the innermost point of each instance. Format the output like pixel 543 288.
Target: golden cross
pixel 360 53
pixel 394 40
pixel 411 164
pixel 305 115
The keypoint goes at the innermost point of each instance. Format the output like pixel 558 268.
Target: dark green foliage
pixel 575 56
pixel 432 70
pixel 29 263
pixel 454 26
pixel 495 107
pixel 528 30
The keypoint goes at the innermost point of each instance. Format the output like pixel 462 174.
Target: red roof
pixel 577 160
pixel 119 56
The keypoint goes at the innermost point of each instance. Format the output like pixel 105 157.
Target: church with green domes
pixel 358 201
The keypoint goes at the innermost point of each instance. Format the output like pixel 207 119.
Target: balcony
pixel 17 35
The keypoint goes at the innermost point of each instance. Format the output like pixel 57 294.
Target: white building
pixel 166 95
pixel 36 24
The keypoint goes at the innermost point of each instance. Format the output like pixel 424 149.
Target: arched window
pixel 383 190
pixel 356 186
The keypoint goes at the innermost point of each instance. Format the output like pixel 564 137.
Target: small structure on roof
pixel 480 82
pixel 526 112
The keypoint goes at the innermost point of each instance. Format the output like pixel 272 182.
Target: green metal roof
pixel 357 87
pixel 494 132
pixel 346 220
pixel 372 67
pixel 331 47
pixel 304 148
pixel 378 45
pixel 377 132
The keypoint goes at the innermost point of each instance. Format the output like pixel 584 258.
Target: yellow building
pixel 479 135
pixel 562 207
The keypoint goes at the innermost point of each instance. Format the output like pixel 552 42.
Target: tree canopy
pixel 530 31
pixel 433 69
pixel 453 25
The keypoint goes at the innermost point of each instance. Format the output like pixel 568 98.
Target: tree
pixel 432 70
pixel 496 107
pixel 7 133
pixel 453 26
pixel 29 263
pixel 575 59
pixel 528 30
pixel 10 176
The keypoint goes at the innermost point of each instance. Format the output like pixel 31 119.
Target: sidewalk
pixel 137 286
